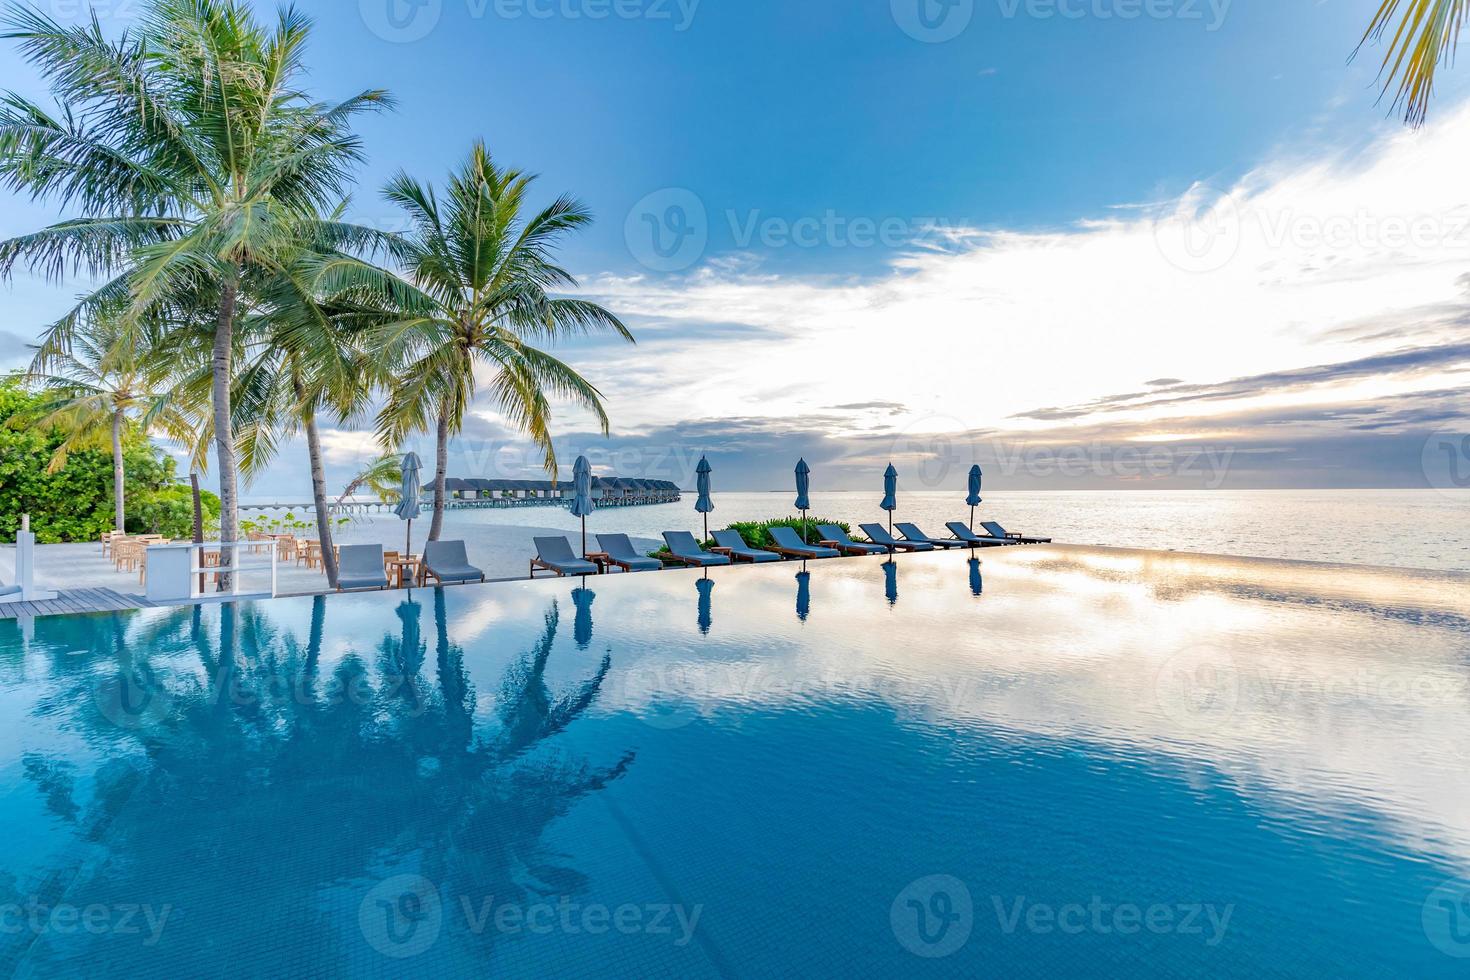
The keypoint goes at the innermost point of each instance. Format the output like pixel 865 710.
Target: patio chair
pixel 997 531
pixel 556 555
pixel 964 535
pixel 446 561
pixel 845 544
pixel 784 541
pixel 621 553
pixel 878 534
pixel 732 542
pixel 686 551
pixel 360 566
pixel 911 532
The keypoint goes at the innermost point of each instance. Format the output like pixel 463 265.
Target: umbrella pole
pixel 706 527
pixel 408 540
pixel 972 519
pixel 584 536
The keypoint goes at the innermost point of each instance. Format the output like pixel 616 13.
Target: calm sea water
pixel 1049 763
pixel 1408 529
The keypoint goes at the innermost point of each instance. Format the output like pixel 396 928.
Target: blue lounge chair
pixel 446 561
pixel 846 545
pixel 784 541
pixel 620 552
pixel 732 542
pixel 685 550
pixel 556 555
pixel 997 531
pixel 964 535
pixel 911 532
pixel 360 566
pixel 878 534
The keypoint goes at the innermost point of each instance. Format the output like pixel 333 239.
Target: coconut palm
pixel 1424 35
pixel 383 476
pixel 103 388
pixel 482 271
pixel 194 162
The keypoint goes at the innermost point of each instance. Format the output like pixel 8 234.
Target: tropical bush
pixel 170 511
pixel 75 503
pixel 758 533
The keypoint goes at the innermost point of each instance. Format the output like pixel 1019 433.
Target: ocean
pixel 1427 529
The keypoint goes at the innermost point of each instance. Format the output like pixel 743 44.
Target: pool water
pixel 1057 760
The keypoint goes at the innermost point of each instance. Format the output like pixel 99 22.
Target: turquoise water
pixel 1058 761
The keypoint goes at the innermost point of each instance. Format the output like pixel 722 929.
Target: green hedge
pixel 757 534
pixel 76 503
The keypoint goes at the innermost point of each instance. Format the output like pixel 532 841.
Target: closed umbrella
pixel 408 497
pixel 582 503
pixel 803 493
pixel 705 505
pixel 706 587
pixel 976 477
pixel 803 595
pixel 890 494
pixel 977 583
pixel 582 625
pixel 890 581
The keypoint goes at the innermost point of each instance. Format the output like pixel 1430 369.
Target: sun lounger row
pixel 363 566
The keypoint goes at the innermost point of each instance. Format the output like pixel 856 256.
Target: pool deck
pixel 75 601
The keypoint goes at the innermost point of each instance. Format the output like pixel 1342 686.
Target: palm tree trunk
pixel 319 495
pixel 441 473
pixel 224 436
pixel 119 514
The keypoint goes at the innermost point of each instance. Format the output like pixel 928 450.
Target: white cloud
pixel 1276 272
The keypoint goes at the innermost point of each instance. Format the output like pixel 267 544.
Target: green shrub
pixel 758 534
pixel 169 511
pixel 74 504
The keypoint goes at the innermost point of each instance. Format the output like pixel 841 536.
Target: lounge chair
pixel 878 534
pixel 784 541
pixel 911 532
pixel 556 555
pixel 446 561
pixel 360 566
pixel 846 545
pixel 997 531
pixel 732 542
pixel 965 536
pixel 685 550
pixel 620 552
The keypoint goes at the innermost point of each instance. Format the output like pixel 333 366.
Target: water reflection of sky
pixel 755 741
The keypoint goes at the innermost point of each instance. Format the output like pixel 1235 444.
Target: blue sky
pixel 904 236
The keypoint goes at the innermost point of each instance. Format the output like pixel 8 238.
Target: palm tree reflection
pixel 312 784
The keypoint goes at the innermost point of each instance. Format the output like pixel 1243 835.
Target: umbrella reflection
pixel 706 587
pixel 803 594
pixel 977 584
pixel 890 581
pixel 582 624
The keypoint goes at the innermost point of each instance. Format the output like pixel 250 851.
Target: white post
pixel 25 566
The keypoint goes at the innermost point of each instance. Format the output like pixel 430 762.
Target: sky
pixel 1089 244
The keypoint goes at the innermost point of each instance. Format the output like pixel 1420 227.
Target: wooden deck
pixel 75 601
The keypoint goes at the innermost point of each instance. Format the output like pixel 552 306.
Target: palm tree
pixel 1426 34
pixel 383 476
pixel 481 273
pixel 195 162
pixel 102 388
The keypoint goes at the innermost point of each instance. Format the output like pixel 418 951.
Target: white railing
pixel 179 573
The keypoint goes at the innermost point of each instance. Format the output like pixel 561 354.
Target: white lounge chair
pixel 360 566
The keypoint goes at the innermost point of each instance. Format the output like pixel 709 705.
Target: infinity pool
pixel 1061 760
